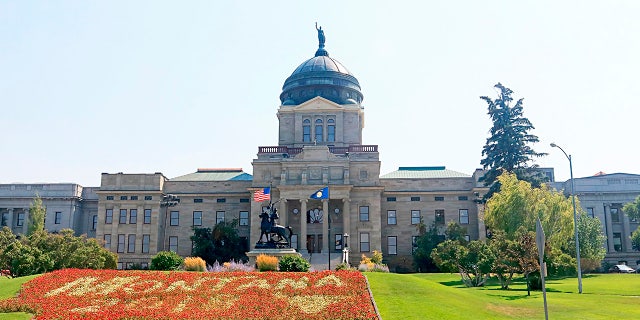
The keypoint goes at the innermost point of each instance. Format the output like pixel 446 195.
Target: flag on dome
pixel 321 194
pixel 262 195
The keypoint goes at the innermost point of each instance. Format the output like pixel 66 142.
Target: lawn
pixel 442 296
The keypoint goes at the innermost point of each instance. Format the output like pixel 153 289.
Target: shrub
pixel 376 257
pixel 294 263
pixel 373 264
pixel 343 266
pixel 194 264
pixel 166 260
pixel 267 263
pixel 231 266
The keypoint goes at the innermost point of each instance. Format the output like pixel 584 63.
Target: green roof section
pixel 424 173
pixel 216 174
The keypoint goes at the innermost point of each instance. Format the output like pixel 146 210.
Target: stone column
pixel 283 212
pixel 626 233
pixel 325 223
pixel 346 220
pixel 10 218
pixel 609 228
pixel 302 247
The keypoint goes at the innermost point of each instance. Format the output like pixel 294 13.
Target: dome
pixel 321 76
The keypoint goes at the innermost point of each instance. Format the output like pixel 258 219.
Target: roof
pixel 424 173
pixel 216 174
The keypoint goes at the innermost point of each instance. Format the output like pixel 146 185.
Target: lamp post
pixel 575 215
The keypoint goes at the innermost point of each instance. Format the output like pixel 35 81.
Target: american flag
pixel 262 195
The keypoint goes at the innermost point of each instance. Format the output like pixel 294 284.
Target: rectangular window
pixel 219 216
pixel 244 218
pixel 121 240
pixel 591 212
pixel 107 241
pixel 615 215
pixel 146 238
pixel 319 133
pixel 123 216
pixel 175 218
pixel 94 222
pixel 414 243
pixel 4 219
pixel 294 241
pixel 306 133
pixel 415 216
pixel 337 242
pixel 391 199
pixel 108 218
pixel 132 243
pixel 221 200
pixel 463 198
pixel 109 197
pixel 20 220
pixel 173 244
pixel 197 218
pixel 364 242
pixel 197 200
pixel 147 216
pixel 244 200
pixel 440 217
pixel 415 198
pixel 58 217
pixel 391 217
pixel 464 216
pixel 617 241
pixel 439 198
pixel 133 216
pixel 467 238
pixel 331 133
pixel 120 265
pixel 123 197
pixel 364 213
pixel 148 197
pixel 134 198
pixel 392 245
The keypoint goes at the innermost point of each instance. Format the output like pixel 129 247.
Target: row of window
pixel 130 198
pixel 128 242
pixel 318 132
pixel 130 215
pixel 436 198
pixel 416 216
pixel 174 218
pixel 196 200
pixel 20 219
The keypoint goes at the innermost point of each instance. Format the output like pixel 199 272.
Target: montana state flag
pixel 321 194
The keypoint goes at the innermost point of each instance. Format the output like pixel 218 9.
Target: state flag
pixel 321 194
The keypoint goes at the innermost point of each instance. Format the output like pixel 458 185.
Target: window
pixel 364 213
pixel 120 266
pixel 121 243
pixel 133 216
pixel 415 198
pixel 173 244
pixel 108 219
pixel 337 242
pixel 58 217
pixel 107 241
pixel 463 198
pixel 197 218
pixel 197 200
pixel 219 216
pixel 440 217
pixel 175 218
pixel 364 242
pixel 148 197
pixel 123 197
pixel 132 243
pixel 94 222
pixel 615 215
pixel 318 131
pixel 617 242
pixel 4 219
pixel 134 198
pixel 591 212
pixel 244 218
pixel 146 238
pixel 147 216
pixel 20 220
pixel 464 216
pixel 109 197
pixel 306 130
pixel 415 216
pixel 439 198
pixel 221 200
pixel 244 200
pixel 331 130
pixel 391 199
pixel 364 175
pixel 294 241
pixel 391 217
pixel 123 216
pixel 392 245
pixel 467 238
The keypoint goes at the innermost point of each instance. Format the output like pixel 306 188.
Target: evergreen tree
pixel 508 149
pixel 221 243
pixel 37 213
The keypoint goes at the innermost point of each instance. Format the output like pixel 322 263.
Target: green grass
pixel 9 288
pixel 442 296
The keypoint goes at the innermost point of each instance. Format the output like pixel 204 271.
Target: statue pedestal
pixel 253 254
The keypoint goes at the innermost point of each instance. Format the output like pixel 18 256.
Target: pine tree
pixel 508 148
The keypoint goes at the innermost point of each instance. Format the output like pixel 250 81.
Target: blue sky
pixel 165 86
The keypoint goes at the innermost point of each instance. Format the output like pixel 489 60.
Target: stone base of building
pixel 253 254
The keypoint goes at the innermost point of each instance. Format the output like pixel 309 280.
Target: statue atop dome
pixel 321 37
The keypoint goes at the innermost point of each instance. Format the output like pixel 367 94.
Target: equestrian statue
pixel 275 234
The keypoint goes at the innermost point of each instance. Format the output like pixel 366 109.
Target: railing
pixel 334 150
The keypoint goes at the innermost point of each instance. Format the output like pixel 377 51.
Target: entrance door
pixel 314 243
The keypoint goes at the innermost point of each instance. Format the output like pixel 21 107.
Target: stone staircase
pixel 320 261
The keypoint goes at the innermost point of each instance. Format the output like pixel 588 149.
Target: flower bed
pixel 111 294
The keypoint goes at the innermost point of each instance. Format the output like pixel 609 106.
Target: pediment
pixel 318 104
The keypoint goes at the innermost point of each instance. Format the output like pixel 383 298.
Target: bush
pixel 166 260
pixel 194 264
pixel 343 266
pixel 231 266
pixel 376 257
pixel 294 263
pixel 373 264
pixel 267 263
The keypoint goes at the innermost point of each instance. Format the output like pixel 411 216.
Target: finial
pixel 321 39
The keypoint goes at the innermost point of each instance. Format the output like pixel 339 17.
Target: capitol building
pixel 320 126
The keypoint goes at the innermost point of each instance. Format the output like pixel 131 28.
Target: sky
pixel 88 87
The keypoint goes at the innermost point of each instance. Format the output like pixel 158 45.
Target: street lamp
pixel 575 215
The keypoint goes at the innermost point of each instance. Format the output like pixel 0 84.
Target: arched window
pixel 331 130
pixel 306 130
pixel 319 133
